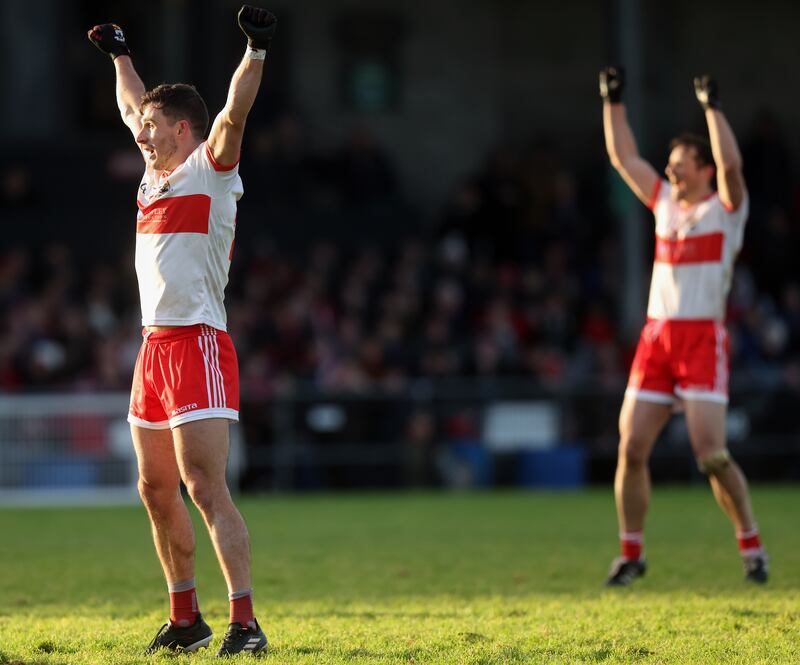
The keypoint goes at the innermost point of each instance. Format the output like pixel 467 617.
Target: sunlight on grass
pixel 486 578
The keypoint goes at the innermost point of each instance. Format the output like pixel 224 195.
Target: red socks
pixel 631 543
pixel 749 542
pixel 242 608
pixel 183 608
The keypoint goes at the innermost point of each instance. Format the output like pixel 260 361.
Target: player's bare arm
pixel 129 93
pixel 637 172
pixel 727 158
pixel 110 39
pixel 225 139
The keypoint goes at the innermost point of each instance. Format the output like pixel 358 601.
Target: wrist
pixel 255 53
pixel 122 61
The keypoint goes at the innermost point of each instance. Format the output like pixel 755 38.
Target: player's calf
pixel 754 557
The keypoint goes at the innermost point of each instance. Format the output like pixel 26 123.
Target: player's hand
pixel 259 26
pixel 110 39
pixel 707 92
pixel 612 81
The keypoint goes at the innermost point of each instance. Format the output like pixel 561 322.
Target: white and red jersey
pixel 184 238
pixel 695 251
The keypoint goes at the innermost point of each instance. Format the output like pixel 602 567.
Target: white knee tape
pixel 715 462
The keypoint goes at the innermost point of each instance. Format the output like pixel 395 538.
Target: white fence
pixel 58 449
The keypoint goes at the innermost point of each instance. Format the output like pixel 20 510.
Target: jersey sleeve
pixel 219 178
pixel 660 192
pixel 738 216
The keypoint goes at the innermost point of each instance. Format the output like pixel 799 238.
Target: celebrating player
pixel 682 355
pixel 186 384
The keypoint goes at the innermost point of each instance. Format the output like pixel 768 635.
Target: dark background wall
pixel 466 74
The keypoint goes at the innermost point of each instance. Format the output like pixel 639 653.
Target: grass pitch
pixel 417 578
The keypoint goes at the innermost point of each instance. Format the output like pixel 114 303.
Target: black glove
pixel 612 81
pixel 259 26
pixel 110 39
pixel 707 92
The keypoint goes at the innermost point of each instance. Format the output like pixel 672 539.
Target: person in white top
pixel 186 385
pixel 682 356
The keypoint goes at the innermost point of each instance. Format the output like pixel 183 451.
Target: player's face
pixel 158 139
pixel 687 177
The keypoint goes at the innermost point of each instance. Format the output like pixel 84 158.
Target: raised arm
pixel 129 93
pixel 638 173
pixel 727 158
pixel 225 138
pixel 110 39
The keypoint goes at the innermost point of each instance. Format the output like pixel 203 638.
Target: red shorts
pixel 680 360
pixel 184 374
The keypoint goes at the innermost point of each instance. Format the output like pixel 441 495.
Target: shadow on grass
pixel 366 616
pixel 6 659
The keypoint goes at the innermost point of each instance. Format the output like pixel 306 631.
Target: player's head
pixel 174 120
pixel 690 168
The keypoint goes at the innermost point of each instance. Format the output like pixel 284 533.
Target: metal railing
pixel 501 429
pixel 465 433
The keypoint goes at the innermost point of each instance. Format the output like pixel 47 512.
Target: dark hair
pixel 179 101
pixel 702 147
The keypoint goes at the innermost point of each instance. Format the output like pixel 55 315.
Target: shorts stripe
pixel 702 395
pixel 146 424
pixel 721 373
pixel 203 414
pixel 219 373
pixel 212 371
pixel 649 395
pixel 205 363
pixel 215 382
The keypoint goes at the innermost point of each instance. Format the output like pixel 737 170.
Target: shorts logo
pixel 184 408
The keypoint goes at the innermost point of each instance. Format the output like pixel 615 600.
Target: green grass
pixel 418 578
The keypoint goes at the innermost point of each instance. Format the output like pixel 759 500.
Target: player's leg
pixel 645 410
pixel 173 535
pixel 159 487
pixel 202 452
pixel 705 420
pixel 640 423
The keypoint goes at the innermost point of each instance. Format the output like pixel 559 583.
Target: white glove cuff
pixel 256 53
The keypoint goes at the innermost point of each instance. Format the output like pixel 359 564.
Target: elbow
pixel 616 156
pixel 128 114
pixel 731 167
pixel 616 162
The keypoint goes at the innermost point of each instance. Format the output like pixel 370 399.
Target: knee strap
pixel 715 462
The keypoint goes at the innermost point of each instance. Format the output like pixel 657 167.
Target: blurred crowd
pixel 339 282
